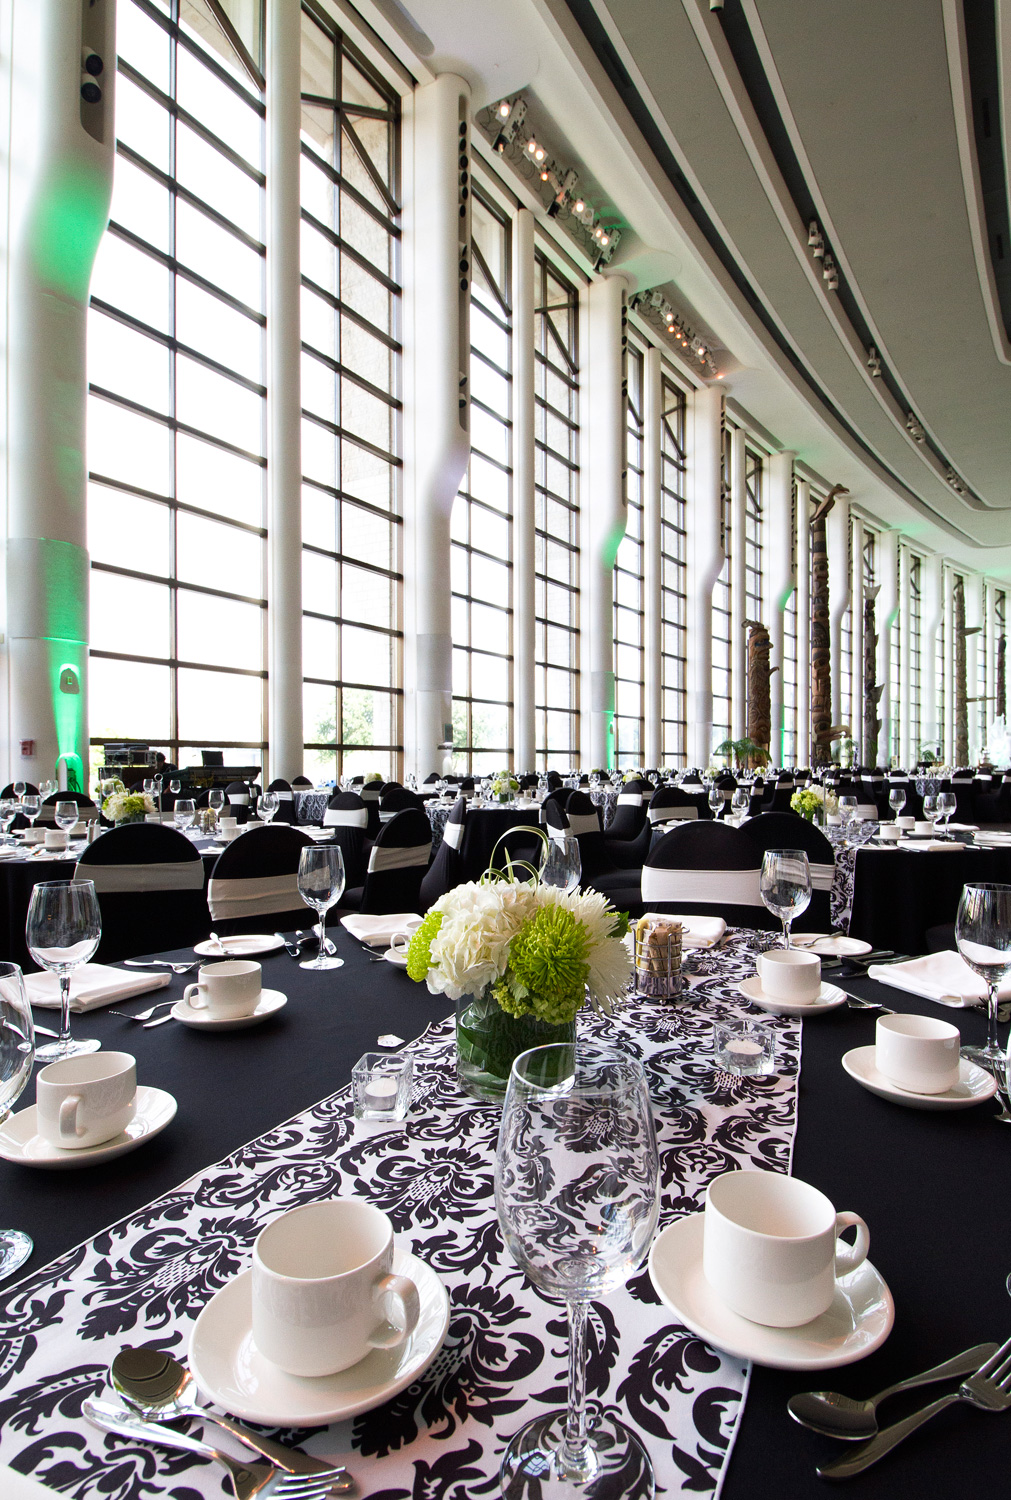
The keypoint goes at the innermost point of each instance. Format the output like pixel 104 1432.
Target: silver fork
pixel 989 1390
pixel 248 1480
pixel 141 1015
pixel 161 963
pixel 855 1003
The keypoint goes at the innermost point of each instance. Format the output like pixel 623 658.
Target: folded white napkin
pixel 937 976
pixel 696 932
pixel 963 827
pixel 15 1486
pixel 931 846
pixel 992 836
pixel 377 931
pixel 91 986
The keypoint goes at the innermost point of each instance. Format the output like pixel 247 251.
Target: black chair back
pixel 778 830
pixel 707 869
pixel 629 813
pixel 148 879
pixel 285 801
pixel 347 818
pixel 237 799
pixel 397 864
pixel 87 811
pixel 446 869
pixel 669 804
pixel 254 882
pixel 396 800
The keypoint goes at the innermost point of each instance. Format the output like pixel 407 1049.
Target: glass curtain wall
pixel 722 657
pixel 176 405
pixel 556 419
pixel 351 410
pixel 674 573
pixel 913 654
pixel 753 558
pixel 482 514
pixel 628 581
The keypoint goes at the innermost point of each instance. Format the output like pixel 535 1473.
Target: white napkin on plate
pixel 376 932
pixel 937 976
pixel 696 932
pixel 91 986
pixel 15 1486
pixel 931 846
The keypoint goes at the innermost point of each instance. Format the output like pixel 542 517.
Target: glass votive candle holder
pixel 382 1085
pixel 744 1047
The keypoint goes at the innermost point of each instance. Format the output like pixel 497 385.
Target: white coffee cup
pixel 906 823
pixel 83 1101
pixel 323 1288
pixel 919 1053
pixel 769 1247
pixel 35 836
pixel 924 825
pixel 890 831
pixel 56 838
pixel 400 941
pixel 225 989
pixel 790 974
pixel 227 823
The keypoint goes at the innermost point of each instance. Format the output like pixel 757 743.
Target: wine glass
pixel 785 885
pixel 740 801
pixel 983 938
pixel 149 786
pixel 19 788
pixel 930 806
pixel 562 865
pixel 945 809
pixel 847 812
pixel 17 1053
pixel 268 805
pixel 576 1191
pixel 184 813
pixel 896 800
pixel 47 788
pixel 216 802
pixel 66 815
pixel 320 884
pixel 8 812
pixel 31 806
pixel 715 800
pixel 63 930
pixel 175 786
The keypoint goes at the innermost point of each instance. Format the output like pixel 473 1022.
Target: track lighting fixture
pixel 874 363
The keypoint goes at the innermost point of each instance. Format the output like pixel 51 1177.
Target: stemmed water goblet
pixel 930 806
pixel 983 938
pixel 320 884
pixel 715 800
pixel 740 801
pixel 17 1053
pixel 576 1191
pixel 63 930
pixel 785 885
pixel 562 864
pixel 19 788
pixel 8 812
pixel 175 786
pixel 896 800
pixel 216 802
pixel 847 812
pixel 184 813
pixel 31 806
pixel 268 805
pixel 66 815
pixel 945 809
pixel 47 788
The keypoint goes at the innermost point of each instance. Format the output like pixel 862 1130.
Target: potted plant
pixel 745 752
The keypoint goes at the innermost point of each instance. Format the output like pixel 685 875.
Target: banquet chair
pixel 87 811
pixel 554 781
pixel 347 818
pixel 369 791
pixel 583 818
pixel 629 812
pixel 396 799
pixel 777 795
pixel 254 882
pixel 560 795
pixel 285 801
pixel 669 804
pixel 528 781
pixel 446 869
pixel 397 863
pixel 33 791
pixel 707 869
pixel 388 786
pixel 791 831
pixel 301 784
pixel 149 880
pixel 237 799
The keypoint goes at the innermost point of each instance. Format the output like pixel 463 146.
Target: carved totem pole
pixel 823 731
pixel 872 692
pixel 759 675
pixel 1001 706
pixel 962 699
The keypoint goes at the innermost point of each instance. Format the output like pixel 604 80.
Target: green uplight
pixel 70 220
pixel 68 713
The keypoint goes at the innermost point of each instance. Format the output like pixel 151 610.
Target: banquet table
pixel 927 1183
pixel 898 894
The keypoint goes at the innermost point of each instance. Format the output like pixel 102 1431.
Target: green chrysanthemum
pixel 548 966
pixel 419 949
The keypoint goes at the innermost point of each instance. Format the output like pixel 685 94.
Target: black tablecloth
pixel 898 894
pixel 931 1186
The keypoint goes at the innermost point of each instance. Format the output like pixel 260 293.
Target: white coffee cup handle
pixel 855 1255
pixel 406 1293
pixel 69 1128
pixel 400 942
pixel 190 997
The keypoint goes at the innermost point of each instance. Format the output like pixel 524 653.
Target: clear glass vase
pixel 487 1040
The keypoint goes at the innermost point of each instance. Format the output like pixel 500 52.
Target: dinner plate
pixel 858 1321
pixel 20 1142
pixel 828 998
pixel 269 1003
pixel 398 960
pixel 240 945
pixel 975 1085
pixel 831 944
pixel 232 1372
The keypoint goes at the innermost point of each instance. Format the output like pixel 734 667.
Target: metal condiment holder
pixel 658 959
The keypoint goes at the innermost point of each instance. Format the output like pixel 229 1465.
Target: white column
pixel 441 357
pixel 524 499
pixel 886 615
pixel 905 698
pixel 284 392
pixel 58 210
pixel 604 510
pixel 931 619
pixel 738 587
pixel 781 581
pixel 974 647
pixel 840 592
pixel 707 560
pixel 857 638
pixel 652 566
pixel 991 656
pixel 948 753
pixel 803 623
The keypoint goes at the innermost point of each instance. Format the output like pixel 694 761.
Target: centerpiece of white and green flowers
pixel 127 807
pixel 814 803
pixel 520 960
pixel 505 786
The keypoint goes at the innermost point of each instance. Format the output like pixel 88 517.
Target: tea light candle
pixel 741 1050
pixel 381 1092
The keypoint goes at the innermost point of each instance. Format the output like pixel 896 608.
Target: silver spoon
pixel 845 1417
pixel 157 1386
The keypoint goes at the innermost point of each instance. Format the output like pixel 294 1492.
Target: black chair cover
pixel 707 869
pixel 670 804
pixel 397 864
pixel 347 818
pixel 446 869
pixel 254 882
pixel 790 831
pixel 237 799
pixel 149 880
pixel 87 810
pixel 285 801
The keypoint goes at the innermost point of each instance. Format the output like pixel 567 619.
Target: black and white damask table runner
pixel 145 1279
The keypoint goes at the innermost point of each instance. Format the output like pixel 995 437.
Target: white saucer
pixel 19 1141
pixel 858 1321
pixel 828 998
pixel 974 1085
pixel 398 960
pixel 241 945
pixel 230 1370
pixel 830 945
pixel 269 1002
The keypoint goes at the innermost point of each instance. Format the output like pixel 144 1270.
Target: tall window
pixel 722 659
pixel 753 560
pixel 351 502
pixel 556 417
pixel 913 654
pixel 482 531
pixel 897 668
pixel 983 689
pixel 176 517
pixel 674 575
pixel 940 671
pixel 628 582
pixel 789 667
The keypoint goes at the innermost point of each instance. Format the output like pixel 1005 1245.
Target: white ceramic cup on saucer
pixel 769 1247
pixel 227 825
pixel 230 989
pixel 400 941
pixel 323 1288
pixel 906 823
pixel 890 831
pixel 83 1101
pixel 923 825
pixel 790 974
pixel 919 1053
pixel 56 838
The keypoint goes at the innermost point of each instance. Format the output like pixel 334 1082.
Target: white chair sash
pixel 285 796
pixel 722 887
pixel 672 814
pixel 381 859
pixel 254 896
pixel 867 812
pixel 453 835
pixel 345 817
pixel 629 799
pixel 369 794
pixel 584 823
pixel 180 875
pixel 822 877
pixel 387 817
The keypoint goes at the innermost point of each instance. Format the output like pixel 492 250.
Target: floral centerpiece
pixel 505 786
pixel 518 959
pixel 127 807
pixel 813 803
pixel 372 776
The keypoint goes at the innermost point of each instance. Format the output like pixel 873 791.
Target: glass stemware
pixel 785 885
pixel 8 812
pixel 184 813
pixel 945 809
pixel 17 1053
pixel 576 1191
pixel 983 938
pixel 65 815
pixel 19 789
pixel 216 802
pixel 896 800
pixel 740 801
pixel 47 788
pixel 268 805
pixel 63 930
pixel 175 786
pixel 930 806
pixel 715 800
pixel 562 865
pixel 320 884
pixel 847 812
pixel 31 806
